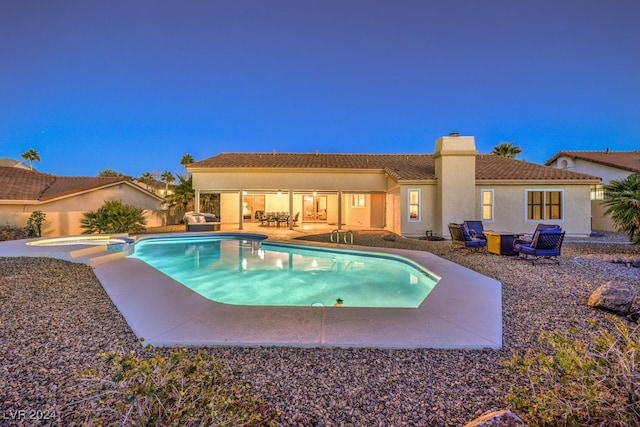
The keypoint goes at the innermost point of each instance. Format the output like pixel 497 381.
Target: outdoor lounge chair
pixel 524 239
pixel 475 228
pixel 201 222
pixel 461 239
pixel 546 244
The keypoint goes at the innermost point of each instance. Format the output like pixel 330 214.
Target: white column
pixel 340 210
pixel 196 202
pixel 291 209
pixel 241 219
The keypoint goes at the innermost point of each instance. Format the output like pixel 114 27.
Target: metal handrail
pixel 337 234
pixel 348 233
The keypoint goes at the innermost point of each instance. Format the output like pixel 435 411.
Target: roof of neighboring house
pixel 625 160
pixel 398 166
pixel 13 163
pixel 24 184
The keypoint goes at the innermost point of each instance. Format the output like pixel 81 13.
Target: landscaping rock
pixel 615 297
pixel 502 418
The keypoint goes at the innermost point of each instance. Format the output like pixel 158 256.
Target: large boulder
pixel 615 297
pixel 502 418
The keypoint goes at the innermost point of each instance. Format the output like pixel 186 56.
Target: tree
pixel 623 201
pixel 183 194
pixel 114 217
pixel 506 149
pixel 167 178
pixel 31 155
pixel 186 160
pixel 109 172
pixel 147 179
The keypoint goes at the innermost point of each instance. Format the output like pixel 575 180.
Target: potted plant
pixel 338 302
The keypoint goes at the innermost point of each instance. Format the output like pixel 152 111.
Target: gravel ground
pixel 55 318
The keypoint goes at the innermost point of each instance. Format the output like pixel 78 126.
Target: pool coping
pixel 463 311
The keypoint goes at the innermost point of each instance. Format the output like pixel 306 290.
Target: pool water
pixel 247 271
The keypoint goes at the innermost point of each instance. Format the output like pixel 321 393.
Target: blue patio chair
pixel 524 239
pixel 461 239
pixel 475 228
pixel 546 244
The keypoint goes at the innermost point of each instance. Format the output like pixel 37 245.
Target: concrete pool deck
pixel 464 310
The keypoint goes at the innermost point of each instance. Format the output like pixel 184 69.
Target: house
pixel 409 194
pixel 64 200
pixel 608 165
pixel 157 187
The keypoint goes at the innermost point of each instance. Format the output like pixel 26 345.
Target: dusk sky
pixel 134 85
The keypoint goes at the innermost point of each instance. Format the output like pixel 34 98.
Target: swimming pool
pixel 246 270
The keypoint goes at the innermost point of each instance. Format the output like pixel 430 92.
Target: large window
pixel 544 205
pixel 487 205
pixel 414 205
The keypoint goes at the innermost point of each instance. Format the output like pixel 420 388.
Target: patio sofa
pixel 201 222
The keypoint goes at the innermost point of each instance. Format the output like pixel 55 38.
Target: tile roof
pixel 398 166
pixel 13 163
pixel 25 184
pixel 494 167
pixel 625 160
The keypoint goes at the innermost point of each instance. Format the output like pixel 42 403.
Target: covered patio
pixel 299 208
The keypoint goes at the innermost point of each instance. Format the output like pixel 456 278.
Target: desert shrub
pixel 181 389
pixel 34 223
pixel 10 232
pixel 578 383
pixel 114 217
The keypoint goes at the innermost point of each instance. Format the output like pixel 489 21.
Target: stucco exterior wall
pixel 455 167
pixel 356 216
pixel 230 208
pixel 285 179
pixel 393 210
pixel 600 221
pixel 428 211
pixel 510 208
pixel 607 173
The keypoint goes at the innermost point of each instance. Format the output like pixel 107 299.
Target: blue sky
pixel 134 85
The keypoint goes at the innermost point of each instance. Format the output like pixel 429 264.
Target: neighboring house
pixel 158 188
pixel 408 194
pixel 64 200
pixel 608 165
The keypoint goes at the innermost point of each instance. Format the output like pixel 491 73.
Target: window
pixel 358 201
pixel 487 204
pixel 544 205
pixel 597 192
pixel 414 205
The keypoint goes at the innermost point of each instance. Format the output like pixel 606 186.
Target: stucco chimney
pixel 455 167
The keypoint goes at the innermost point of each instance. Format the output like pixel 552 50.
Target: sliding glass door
pixel 314 207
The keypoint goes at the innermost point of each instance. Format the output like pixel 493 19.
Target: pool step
pixel 88 251
pixel 112 256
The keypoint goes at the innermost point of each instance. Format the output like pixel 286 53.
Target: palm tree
pixel 186 159
pixel 168 178
pixel 146 178
pixel 184 194
pixel 31 155
pixel 623 201
pixel 506 149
